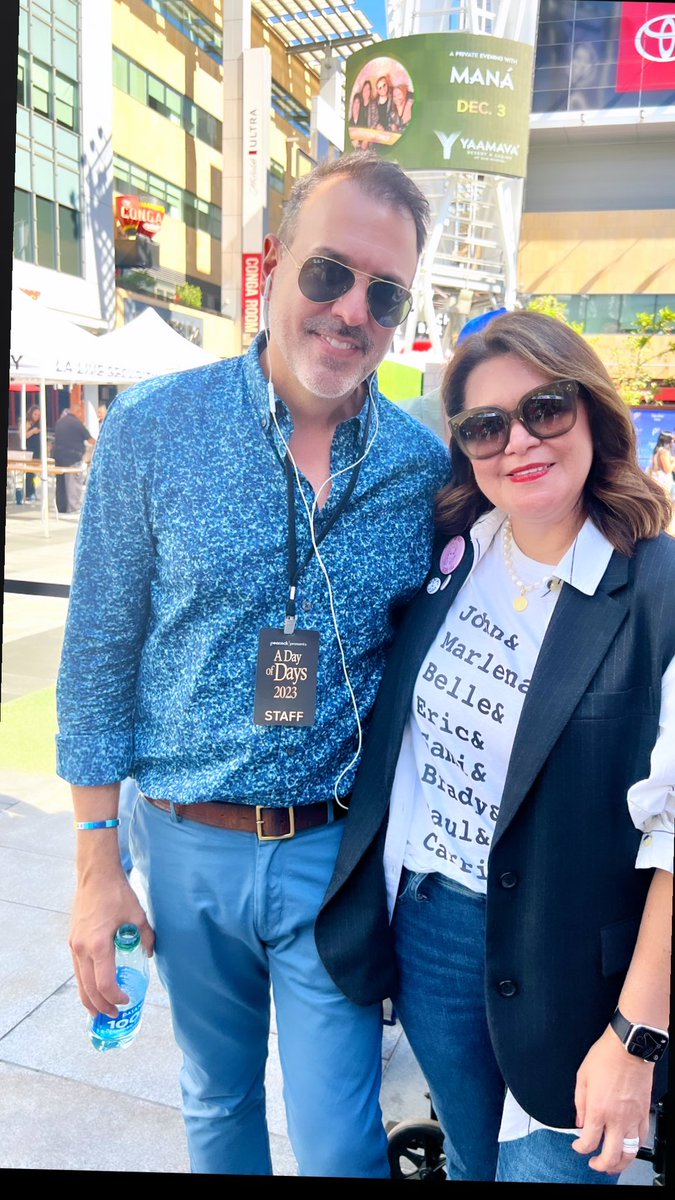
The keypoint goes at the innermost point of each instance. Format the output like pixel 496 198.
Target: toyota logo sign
pixel 646 49
pixel 655 40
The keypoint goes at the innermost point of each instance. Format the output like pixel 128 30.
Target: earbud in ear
pixel 266 291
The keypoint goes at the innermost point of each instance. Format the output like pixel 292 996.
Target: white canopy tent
pixel 148 346
pixel 45 347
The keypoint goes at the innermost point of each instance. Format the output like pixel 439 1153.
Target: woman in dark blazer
pixel 505 874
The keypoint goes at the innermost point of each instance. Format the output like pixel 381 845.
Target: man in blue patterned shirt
pixel 249 530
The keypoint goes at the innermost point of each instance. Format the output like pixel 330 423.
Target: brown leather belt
pixel 270 824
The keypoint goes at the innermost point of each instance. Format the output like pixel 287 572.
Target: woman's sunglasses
pixel 547 411
pixel 323 280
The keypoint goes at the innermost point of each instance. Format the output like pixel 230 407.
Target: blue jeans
pixel 233 915
pixel 439 928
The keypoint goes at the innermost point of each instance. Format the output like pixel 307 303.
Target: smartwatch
pixel 642 1041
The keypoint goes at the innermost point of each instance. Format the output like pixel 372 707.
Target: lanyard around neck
pixel 295 571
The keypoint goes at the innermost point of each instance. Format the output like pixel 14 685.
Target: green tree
pixel 632 372
pixel 189 294
pixel 550 306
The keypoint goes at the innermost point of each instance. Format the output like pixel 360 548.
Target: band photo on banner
pixel 380 104
pixel 439 101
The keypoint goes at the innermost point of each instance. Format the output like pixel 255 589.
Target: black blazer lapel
pixel 581 630
pixel 375 776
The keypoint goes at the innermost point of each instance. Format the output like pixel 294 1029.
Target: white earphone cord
pixel 310 517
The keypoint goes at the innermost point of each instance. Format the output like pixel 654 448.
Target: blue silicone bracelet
pixel 112 824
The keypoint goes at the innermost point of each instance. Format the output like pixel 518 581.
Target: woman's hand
pixel 612 1097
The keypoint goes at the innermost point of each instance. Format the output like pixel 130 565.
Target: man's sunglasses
pixel 547 411
pixel 323 280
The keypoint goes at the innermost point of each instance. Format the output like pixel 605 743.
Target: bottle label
pixel 123 1023
pixel 135 984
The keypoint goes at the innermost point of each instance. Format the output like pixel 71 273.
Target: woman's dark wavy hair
pixel 621 500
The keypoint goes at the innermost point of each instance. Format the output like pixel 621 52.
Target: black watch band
pixel 642 1041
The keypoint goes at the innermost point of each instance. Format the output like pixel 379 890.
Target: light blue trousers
pixel 233 915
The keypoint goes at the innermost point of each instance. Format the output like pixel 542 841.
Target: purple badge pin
pixel 452 554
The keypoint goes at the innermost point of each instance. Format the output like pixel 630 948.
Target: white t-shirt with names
pixel 466 706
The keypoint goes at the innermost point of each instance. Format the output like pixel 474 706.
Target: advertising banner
pixel 646 48
pixel 649 423
pixel 251 265
pixel 257 90
pixel 442 101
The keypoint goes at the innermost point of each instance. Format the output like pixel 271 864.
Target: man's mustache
pixel 329 328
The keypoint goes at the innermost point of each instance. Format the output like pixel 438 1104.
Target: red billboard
pixel 646 48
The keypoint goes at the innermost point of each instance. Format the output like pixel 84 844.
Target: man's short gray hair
pixel 378 177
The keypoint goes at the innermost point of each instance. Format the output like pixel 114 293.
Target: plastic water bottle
pixel 131 963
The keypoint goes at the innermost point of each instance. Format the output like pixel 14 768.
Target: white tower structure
pixel 469 263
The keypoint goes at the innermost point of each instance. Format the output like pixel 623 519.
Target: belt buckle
pixel 271 837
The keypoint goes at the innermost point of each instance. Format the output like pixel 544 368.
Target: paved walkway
pixel 63 1107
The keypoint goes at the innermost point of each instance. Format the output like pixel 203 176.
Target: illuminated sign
pixel 133 213
pixel 442 101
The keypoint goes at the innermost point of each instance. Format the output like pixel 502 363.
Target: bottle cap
pixel 127 937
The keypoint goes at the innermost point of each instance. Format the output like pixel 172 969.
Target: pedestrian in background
pixel 71 438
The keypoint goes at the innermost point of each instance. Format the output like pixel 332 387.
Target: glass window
pixel 552 10
pixel 22 79
pixel 157 186
pixel 120 71
pixel 554 56
pixel 602 314
pixel 40 39
pixel 631 306
pixel 46 233
pixel 23 29
pixel 189 116
pixel 65 55
pixel 550 32
pixel 665 301
pixel 203 216
pixel 43 131
pixel 23 227
pixel 41 86
pixel 22 124
pixel 66 11
pixel 68 144
pixel 138 85
pixel 189 211
pixel 68 187
pixel 549 101
pixel 69 241
pixel 598 9
pixel 65 102
pixel 138 178
pixel 173 200
pixel 173 105
pixel 209 129
pixel 22 168
pixel 43 176
pixel 156 92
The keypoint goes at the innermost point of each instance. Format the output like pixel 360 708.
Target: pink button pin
pixel 452 554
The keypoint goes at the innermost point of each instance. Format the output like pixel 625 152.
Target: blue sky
pixel 376 13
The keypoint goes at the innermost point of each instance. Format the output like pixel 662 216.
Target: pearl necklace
pixel 520 603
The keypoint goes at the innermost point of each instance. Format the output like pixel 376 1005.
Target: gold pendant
pixel 520 603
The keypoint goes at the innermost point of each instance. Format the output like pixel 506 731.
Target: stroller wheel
pixel 416 1151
